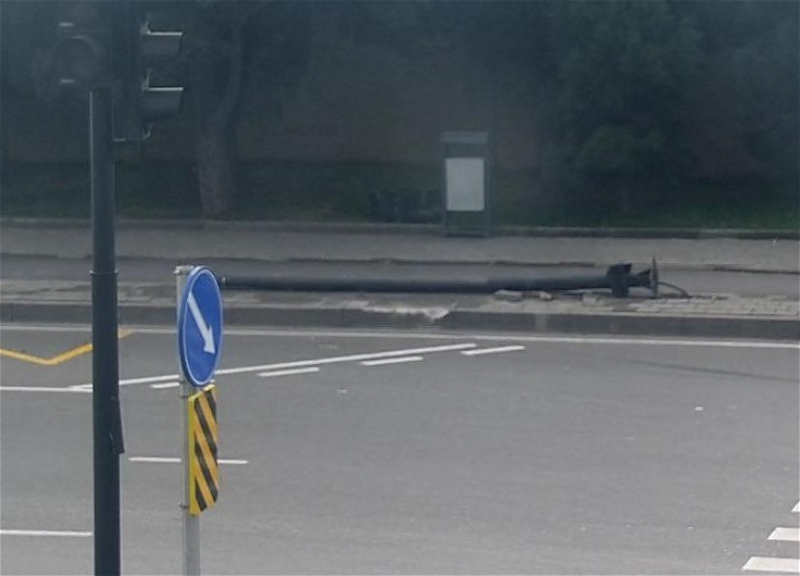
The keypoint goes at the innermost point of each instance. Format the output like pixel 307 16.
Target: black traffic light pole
pixel 117 50
pixel 617 277
pixel 108 441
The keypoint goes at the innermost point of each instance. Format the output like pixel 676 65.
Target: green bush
pixel 340 192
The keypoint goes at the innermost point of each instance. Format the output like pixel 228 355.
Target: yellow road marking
pixel 58 358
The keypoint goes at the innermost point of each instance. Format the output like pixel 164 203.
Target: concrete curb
pixel 418 229
pixel 662 265
pixel 618 324
pixel 410 261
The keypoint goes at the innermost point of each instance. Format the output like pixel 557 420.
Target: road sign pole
pixel 106 415
pixel 191 524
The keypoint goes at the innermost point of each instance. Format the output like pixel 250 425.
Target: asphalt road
pixel 156 270
pixel 417 453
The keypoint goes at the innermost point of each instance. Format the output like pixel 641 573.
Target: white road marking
pixel 497 350
pixel 761 564
pixel 148 380
pixel 70 389
pixel 309 370
pixel 796 507
pixel 391 361
pixel 350 358
pixel 648 342
pixel 45 328
pixel 689 342
pixel 383 334
pixel 169 378
pixel 165 385
pixel 81 387
pixel 232 331
pixel 301 363
pixel 172 460
pixel 56 533
pixel 787 534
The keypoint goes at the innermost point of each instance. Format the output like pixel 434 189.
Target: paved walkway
pixel 281 243
pixel 720 315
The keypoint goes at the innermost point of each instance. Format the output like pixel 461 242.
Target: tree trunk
pixel 214 113
pixel 215 171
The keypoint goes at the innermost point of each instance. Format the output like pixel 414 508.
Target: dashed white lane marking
pixel 498 350
pixel 350 358
pixel 172 460
pixel 51 533
pixel 391 361
pixel 165 385
pixel 291 372
pixel 168 381
pixel 148 380
pixel 289 365
pixel 355 334
pixel 787 534
pixel 786 565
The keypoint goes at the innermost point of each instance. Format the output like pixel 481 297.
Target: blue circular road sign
pixel 200 326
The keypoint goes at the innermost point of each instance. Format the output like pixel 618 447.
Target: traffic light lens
pixel 160 103
pixel 80 61
pixel 157 47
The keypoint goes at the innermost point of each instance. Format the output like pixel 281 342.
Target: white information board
pixel 465 186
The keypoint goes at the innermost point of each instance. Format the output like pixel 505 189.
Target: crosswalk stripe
pixel 761 564
pixel 788 534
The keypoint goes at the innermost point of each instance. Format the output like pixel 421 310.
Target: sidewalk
pixel 706 315
pixel 284 242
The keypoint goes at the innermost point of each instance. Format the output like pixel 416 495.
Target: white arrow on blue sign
pixel 200 326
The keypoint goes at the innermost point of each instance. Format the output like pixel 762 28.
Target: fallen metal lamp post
pixel 618 278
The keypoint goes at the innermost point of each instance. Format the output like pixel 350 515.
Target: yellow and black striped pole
pixel 202 453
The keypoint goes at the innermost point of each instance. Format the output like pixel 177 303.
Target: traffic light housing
pixel 81 56
pixel 138 50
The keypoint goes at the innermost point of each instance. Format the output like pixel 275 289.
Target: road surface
pixel 417 453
